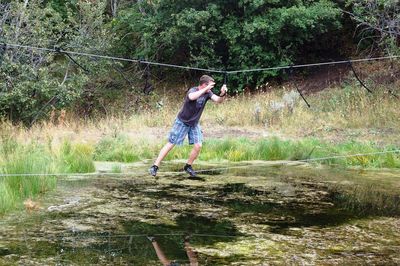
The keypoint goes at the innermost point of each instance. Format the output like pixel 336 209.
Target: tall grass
pixel 122 149
pixel 337 117
pixel 241 149
pixel 76 158
pixel 366 199
pixel 347 112
pixel 36 158
pixel 346 108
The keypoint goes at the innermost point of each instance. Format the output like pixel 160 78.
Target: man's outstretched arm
pixel 221 97
pixel 195 95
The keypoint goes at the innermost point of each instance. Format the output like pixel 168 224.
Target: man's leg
pixel 194 153
pixel 192 255
pixel 195 138
pixel 164 151
pixel 160 254
pixel 176 136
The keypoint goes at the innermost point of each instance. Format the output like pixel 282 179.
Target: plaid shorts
pixel 180 130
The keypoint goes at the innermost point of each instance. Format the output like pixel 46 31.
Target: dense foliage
pixel 33 81
pixel 225 34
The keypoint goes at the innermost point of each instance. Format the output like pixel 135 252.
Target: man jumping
pixel 187 122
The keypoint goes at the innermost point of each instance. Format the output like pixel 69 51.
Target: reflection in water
pixel 259 215
pixel 191 254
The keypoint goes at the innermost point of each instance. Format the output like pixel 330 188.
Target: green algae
pixel 263 215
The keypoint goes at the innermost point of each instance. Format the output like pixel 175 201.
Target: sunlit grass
pixel 73 143
pixel 341 110
pixel 18 159
pixel 243 149
pixel 122 149
pixel 76 158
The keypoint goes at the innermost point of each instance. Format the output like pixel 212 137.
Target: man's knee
pixel 170 145
pixel 197 146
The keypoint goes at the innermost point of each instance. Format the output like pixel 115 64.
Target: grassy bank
pixel 36 158
pixel 243 149
pixel 17 158
pixel 337 114
pixel 343 120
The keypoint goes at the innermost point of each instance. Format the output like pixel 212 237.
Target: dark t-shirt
pixel 192 110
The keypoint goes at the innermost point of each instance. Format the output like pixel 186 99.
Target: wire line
pixel 315 64
pixel 203 69
pixel 113 58
pixel 205 170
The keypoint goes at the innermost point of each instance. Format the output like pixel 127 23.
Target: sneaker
pixel 153 170
pixel 188 169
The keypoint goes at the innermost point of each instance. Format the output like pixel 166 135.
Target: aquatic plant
pixel 34 158
pixel 76 158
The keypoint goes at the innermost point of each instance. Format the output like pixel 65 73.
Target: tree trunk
pixel 20 19
pixel 114 6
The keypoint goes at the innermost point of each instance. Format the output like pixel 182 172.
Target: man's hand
pixel 220 98
pixel 224 90
pixel 209 86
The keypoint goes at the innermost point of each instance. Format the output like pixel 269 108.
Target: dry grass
pixel 353 120
pixel 341 120
pixel 344 113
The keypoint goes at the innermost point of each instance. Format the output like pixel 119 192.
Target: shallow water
pixel 262 214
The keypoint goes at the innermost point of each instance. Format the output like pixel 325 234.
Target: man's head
pixel 204 80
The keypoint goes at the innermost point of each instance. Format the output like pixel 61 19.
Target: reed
pixel 36 158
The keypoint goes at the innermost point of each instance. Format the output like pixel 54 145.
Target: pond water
pixel 260 214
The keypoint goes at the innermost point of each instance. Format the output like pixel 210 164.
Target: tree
pixel 378 23
pixel 33 81
pixel 224 34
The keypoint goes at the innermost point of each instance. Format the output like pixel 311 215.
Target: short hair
pixel 205 79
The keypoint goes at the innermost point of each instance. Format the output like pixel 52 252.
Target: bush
pixel 224 34
pixel 32 82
